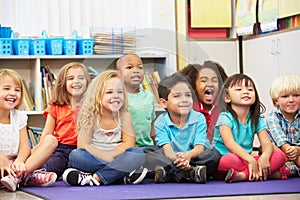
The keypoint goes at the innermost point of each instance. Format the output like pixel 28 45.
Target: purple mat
pixel 149 190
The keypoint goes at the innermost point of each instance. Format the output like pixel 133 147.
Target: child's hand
pixel 253 170
pixel 292 152
pixel 182 161
pixel 18 167
pixel 264 168
pixel 5 167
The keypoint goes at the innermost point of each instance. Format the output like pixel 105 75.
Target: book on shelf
pixel 48 81
pixel 28 102
pixel 150 82
pixel 34 135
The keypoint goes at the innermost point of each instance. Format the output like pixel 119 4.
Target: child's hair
pixel 60 93
pixel 119 61
pixel 221 70
pixel 284 84
pixel 165 85
pixel 92 101
pixel 191 72
pixel 255 110
pixel 17 80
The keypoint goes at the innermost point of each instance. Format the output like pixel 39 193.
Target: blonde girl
pixel 105 136
pixel 14 143
pixel 240 119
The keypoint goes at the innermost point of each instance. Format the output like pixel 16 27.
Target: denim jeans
pixel 108 172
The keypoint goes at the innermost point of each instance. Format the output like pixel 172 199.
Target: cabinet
pixel 269 56
pixel 29 68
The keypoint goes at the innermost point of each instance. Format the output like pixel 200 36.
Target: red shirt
pixel 65 126
pixel 210 116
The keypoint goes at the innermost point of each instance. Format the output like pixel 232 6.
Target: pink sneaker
pixel 40 178
pixel 11 182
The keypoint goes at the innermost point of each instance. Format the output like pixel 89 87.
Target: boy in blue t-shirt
pixel 183 153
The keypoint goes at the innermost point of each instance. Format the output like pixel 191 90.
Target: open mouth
pixel 209 92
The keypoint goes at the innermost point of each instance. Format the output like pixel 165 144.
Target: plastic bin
pixel 6 46
pixel 54 46
pixel 69 46
pixel 85 46
pixel 37 46
pixel 21 46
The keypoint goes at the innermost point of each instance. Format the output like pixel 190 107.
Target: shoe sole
pixel 202 175
pixel 8 183
pixel 156 178
pixel 65 174
pixel 142 176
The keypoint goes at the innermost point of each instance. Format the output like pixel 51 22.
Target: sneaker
pixel 198 174
pixel 40 178
pixel 74 177
pixel 11 182
pixel 294 170
pixel 231 174
pixel 136 176
pixel 160 175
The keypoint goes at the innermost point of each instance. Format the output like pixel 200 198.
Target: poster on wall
pixel 268 15
pixel 245 16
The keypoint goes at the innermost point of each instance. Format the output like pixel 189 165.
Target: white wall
pixel 154 20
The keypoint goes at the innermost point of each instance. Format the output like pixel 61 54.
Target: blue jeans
pixel 108 172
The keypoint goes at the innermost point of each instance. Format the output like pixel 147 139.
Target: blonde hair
pixel 17 80
pixel 60 93
pixel 284 84
pixel 91 109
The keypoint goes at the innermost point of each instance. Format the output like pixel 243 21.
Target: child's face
pixel 113 96
pixel 207 86
pixel 241 95
pixel 132 71
pixel 180 101
pixel 76 82
pixel 10 93
pixel 289 103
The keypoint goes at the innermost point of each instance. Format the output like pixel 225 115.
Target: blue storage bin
pixel 37 46
pixel 54 46
pixel 69 46
pixel 21 46
pixel 5 46
pixel 85 46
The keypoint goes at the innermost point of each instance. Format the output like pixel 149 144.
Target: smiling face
pixel 241 94
pixel 180 101
pixel 207 87
pixel 76 83
pixel 289 104
pixel 113 96
pixel 132 72
pixel 10 93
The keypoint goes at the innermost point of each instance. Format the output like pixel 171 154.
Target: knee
pixel 76 155
pixel 50 141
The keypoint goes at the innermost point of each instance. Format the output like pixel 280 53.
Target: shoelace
pixel 86 179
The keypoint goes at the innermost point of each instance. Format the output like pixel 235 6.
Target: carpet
pixel 149 190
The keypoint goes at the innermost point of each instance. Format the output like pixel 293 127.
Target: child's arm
pixel 168 151
pixel 152 132
pixel 235 148
pixel 24 151
pixel 49 126
pixel 264 159
pixel 5 166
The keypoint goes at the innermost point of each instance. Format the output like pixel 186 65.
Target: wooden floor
pixel 6 195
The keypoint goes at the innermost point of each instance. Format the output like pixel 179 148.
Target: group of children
pixel 106 131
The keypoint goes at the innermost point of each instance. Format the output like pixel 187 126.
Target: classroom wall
pixel 154 20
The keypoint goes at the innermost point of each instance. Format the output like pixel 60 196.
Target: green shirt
pixel 141 107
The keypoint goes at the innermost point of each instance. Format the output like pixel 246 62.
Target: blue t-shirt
pixel 242 134
pixel 181 140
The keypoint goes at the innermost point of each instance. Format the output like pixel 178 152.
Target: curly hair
pixel 92 104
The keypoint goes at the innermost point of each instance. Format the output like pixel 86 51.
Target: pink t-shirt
pixel 65 126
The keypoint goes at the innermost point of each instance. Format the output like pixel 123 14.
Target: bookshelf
pixel 29 68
